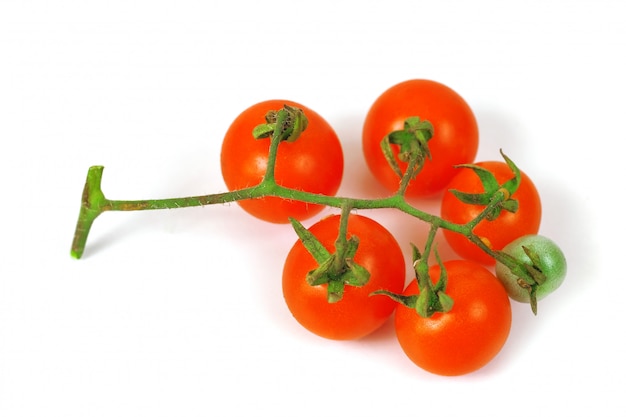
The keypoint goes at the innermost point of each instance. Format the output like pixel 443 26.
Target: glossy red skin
pixel 313 163
pixel 467 337
pixel 357 314
pixel 455 139
pixel 500 232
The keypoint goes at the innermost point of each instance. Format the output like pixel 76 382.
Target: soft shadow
pixel 99 241
pixel 565 220
pixel 384 333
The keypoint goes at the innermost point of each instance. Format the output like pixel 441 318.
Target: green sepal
pixel 310 242
pixel 420 266
pixel 432 298
pixel 518 268
pixel 352 245
pixel 529 276
pixel 510 205
pixel 263 131
pixel 406 300
pixel 335 291
pixel 402 139
pixel 494 213
pixel 533 299
pixel 513 184
pixel 321 274
pixel 425 305
pixel 440 286
pixel 430 302
pixel 412 140
pixel 445 301
pixel 532 293
pixel 533 269
pixel 330 271
pixel 353 273
pixel 529 273
pixel 471 198
pixel 532 255
pixel 385 146
pixel 417 255
pixel 288 122
pixel 491 188
pixel 357 275
pixel 488 180
pixel 536 274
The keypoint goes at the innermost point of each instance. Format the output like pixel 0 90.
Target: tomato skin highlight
pixel 467 337
pixel 499 232
pixel 455 139
pixel 313 163
pixel 357 314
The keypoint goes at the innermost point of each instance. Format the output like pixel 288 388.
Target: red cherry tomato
pixel 313 163
pixel 499 232
pixel 467 337
pixel 455 139
pixel 357 314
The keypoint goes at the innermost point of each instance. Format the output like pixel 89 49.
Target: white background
pixel 180 312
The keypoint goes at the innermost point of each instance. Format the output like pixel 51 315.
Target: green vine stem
pixel 286 125
pixel 95 203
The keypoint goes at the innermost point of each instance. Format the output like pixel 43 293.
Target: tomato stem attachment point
pixel 413 150
pixel 337 269
pixel 432 297
pixel 286 124
pixel 530 275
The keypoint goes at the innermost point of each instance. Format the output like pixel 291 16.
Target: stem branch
pixel 94 202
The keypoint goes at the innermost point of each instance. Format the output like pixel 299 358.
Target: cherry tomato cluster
pixel 327 295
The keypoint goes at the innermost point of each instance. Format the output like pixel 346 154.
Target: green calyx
pixel 336 269
pixel 530 274
pixel 288 123
pixel 432 298
pixel 492 189
pixel 412 141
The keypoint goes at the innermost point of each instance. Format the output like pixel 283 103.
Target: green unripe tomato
pixel 550 260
